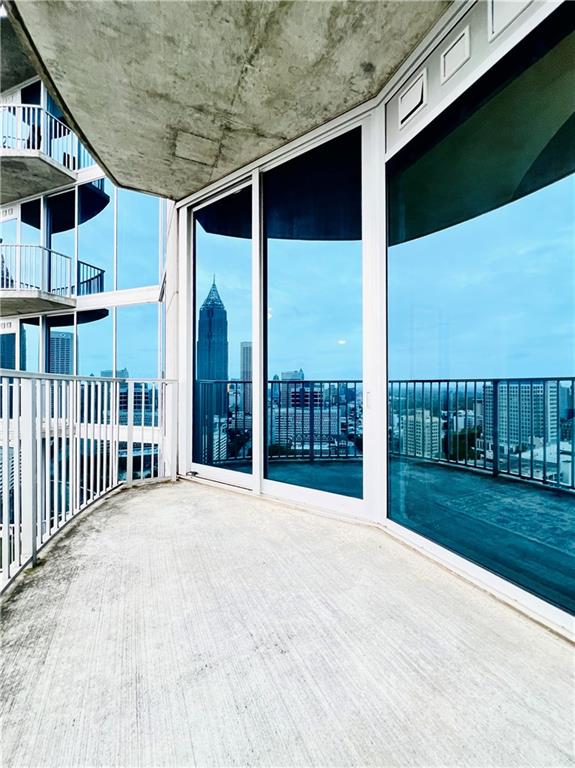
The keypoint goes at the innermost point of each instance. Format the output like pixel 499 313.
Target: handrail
pixel 25 267
pixel 31 127
pixel 66 377
pixel 65 442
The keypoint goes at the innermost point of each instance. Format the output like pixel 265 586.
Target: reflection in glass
pixel 30 344
pixel 8 350
pixel 137 341
pixel 314 414
pixel 94 343
pixel 30 223
pixel 60 344
pixel 223 348
pixel 96 235
pixel 481 322
pixel 138 239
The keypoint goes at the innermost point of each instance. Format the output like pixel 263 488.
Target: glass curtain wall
pixel 313 278
pixel 481 321
pixel 138 239
pixel 223 333
pixel 96 237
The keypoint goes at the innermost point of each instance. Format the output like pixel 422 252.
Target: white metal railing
pixel 65 441
pixel 28 267
pixel 29 127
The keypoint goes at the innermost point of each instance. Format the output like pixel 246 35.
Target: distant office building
pixel 121 373
pixel 61 353
pixel 212 353
pixel 420 435
pixel 527 413
pixel 286 390
pixel 246 373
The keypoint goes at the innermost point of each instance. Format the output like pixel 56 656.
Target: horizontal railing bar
pixel 9 373
pixel 486 379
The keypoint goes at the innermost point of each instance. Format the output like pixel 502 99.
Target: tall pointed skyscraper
pixel 212 347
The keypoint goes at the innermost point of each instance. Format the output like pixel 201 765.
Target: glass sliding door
pixel 222 407
pixel 313 282
pixel 481 322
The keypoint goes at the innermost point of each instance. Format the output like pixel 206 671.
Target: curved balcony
pixel 39 152
pixel 37 279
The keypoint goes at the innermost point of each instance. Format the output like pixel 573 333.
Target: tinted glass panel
pixel 30 345
pixel 481 323
pixel 223 333
pixel 60 345
pixel 95 343
pixel 137 342
pixel 96 237
pixel 138 239
pixel 314 408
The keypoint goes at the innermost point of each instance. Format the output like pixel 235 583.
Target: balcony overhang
pixel 28 172
pixel 26 302
pixel 196 90
pixel 15 64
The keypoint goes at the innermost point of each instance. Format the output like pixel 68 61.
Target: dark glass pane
pixel 481 322
pixel 30 219
pixel 314 394
pixel 8 350
pixel 223 349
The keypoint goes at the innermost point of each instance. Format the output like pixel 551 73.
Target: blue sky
pixel 492 297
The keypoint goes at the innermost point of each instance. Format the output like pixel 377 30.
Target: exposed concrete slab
pixel 190 626
pixel 24 173
pixel 172 95
pixel 15 64
pixel 26 302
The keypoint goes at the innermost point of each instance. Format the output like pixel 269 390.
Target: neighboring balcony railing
pixel 32 267
pixel 65 442
pixel 29 127
pixel 305 421
pixel 517 427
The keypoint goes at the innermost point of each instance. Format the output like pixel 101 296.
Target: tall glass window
pixel 314 394
pixel 30 344
pixel 223 333
pixel 30 223
pixel 96 236
pixel 137 341
pixel 60 230
pixel 138 239
pixel 94 331
pixel 60 344
pixel 481 322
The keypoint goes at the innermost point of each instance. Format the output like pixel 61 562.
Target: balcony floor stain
pixel 185 625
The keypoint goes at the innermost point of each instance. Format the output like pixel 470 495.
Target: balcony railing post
pixel 130 436
pixel 29 468
pixel 311 421
pixel 495 408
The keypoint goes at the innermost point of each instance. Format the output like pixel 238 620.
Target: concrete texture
pixel 191 626
pixel 14 302
pixel 15 64
pixel 172 95
pixel 29 172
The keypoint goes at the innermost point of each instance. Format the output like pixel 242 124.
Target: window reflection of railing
pixel 32 267
pixel 29 127
pixel 64 444
pixel 306 421
pixel 518 427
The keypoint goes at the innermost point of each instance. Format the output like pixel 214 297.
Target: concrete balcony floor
pixel 185 625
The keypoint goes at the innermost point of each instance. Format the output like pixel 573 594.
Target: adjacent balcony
pixel 39 152
pixel 37 279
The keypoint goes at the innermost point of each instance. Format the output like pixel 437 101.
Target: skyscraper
pixel 246 374
pixel 212 355
pixel 61 358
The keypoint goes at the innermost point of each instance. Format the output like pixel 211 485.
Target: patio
pixel 180 625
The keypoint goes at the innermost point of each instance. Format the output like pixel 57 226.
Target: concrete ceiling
pixel 15 65
pixel 173 95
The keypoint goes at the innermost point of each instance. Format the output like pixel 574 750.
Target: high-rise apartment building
pixel 61 352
